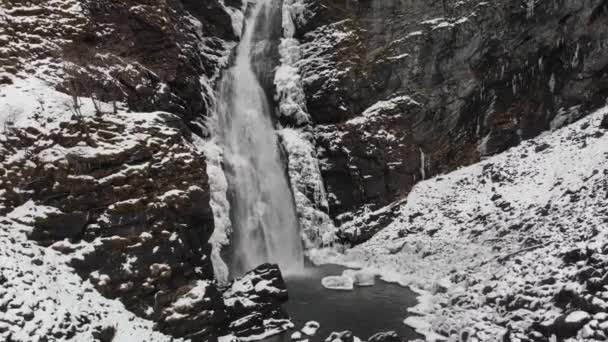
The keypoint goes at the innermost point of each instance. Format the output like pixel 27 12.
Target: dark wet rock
pixel 255 297
pixel 194 311
pixel 59 226
pixel 604 123
pixel 575 255
pixel 541 147
pixel 370 161
pixel 104 334
pixel 252 324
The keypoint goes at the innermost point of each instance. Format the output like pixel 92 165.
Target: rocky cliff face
pixel 402 90
pixel 101 105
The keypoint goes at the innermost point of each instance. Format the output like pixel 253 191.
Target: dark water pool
pixel 364 311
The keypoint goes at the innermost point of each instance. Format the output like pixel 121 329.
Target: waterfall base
pixel 364 311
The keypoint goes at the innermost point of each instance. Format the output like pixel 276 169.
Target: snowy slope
pixel 508 246
pixel 41 298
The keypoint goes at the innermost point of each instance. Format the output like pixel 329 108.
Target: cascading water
pixel 262 207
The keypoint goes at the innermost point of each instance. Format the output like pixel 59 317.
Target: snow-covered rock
pixel 577 317
pixel 361 277
pixel 253 303
pixel 41 296
pixel 310 328
pixel 341 283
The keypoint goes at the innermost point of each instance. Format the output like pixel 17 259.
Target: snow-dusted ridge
pixel 489 247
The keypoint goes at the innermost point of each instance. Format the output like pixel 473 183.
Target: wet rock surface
pixel 484 76
pixel 253 302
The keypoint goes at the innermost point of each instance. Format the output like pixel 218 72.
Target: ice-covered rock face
pixel 485 75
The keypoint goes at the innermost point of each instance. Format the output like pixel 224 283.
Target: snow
pixel 29 212
pixel 577 317
pixel 361 277
pixel 189 300
pixel 498 226
pixel 341 283
pixel 218 187
pixel 32 102
pixel 290 92
pixel 289 89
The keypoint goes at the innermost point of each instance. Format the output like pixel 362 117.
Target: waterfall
pixel 262 206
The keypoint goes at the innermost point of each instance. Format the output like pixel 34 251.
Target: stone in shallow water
pixel 341 283
pixel 344 336
pixel 311 328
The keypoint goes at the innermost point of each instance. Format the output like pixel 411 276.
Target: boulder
pixel 253 302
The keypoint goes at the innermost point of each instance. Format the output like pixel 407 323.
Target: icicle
pixel 422 164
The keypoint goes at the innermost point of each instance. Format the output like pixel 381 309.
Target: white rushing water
pixel 263 214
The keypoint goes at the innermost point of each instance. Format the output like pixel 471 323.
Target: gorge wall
pixel 372 96
pixel 402 90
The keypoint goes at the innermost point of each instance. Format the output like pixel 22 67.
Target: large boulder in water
pixel 253 302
